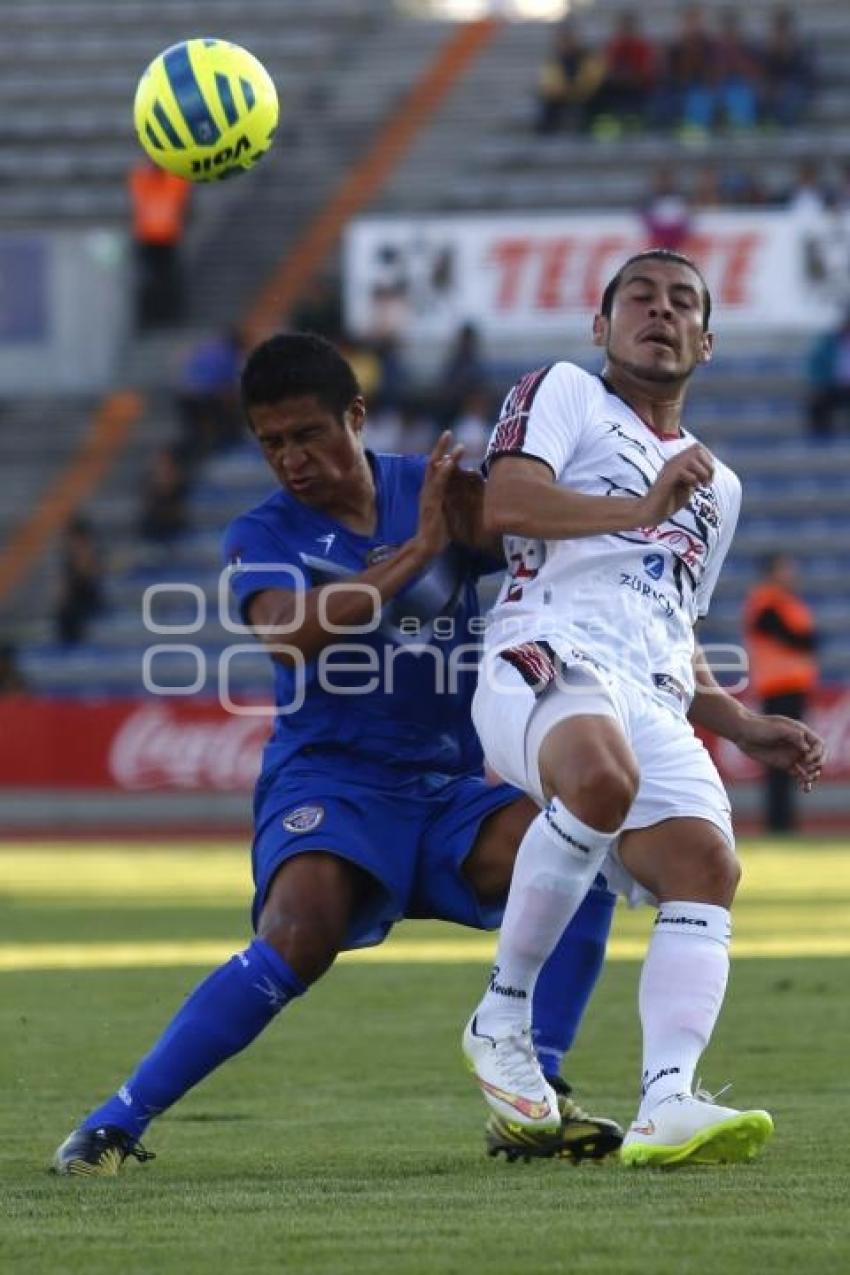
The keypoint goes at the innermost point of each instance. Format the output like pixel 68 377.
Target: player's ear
pixel 355 414
pixel 706 347
pixel 601 328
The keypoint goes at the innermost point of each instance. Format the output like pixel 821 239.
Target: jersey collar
pixel 662 438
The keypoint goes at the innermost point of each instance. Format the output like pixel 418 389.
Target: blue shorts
pixel 411 833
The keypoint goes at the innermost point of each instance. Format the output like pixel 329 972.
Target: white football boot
pixel 511 1080
pixel 693 1129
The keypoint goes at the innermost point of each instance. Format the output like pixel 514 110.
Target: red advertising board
pixel 196 746
pixel 129 745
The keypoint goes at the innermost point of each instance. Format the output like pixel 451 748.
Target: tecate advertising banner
pixel 543 275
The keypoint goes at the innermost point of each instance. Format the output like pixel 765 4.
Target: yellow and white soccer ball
pixel 206 109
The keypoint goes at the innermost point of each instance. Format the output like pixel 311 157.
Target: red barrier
pixel 195 746
pixel 130 745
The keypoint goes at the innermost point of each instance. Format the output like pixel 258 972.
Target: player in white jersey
pixel 617 523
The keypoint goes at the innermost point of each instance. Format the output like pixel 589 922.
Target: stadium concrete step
pixel 90 669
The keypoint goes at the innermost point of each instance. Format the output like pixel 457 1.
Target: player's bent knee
pixel 310 944
pixel 729 873
pixel 719 869
pixel 600 794
pixel 713 873
pixel 286 933
pixel 719 879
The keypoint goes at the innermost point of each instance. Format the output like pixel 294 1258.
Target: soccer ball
pixel 205 109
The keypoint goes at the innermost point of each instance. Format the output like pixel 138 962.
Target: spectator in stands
pixel 788 71
pixel 687 86
pixel 81 584
pixel 568 83
pixel 737 77
pixel 163 509
pixel 781 640
pixel 208 396
pixel 366 364
pixel 842 190
pixel 474 425
pixel 728 186
pixel 464 372
pixel 394 382
pixel 666 214
pixel 826 246
pixel 829 379
pixel 11 677
pixel 743 187
pixel 708 189
pixel 318 310
pixel 388 323
pixel 806 199
pixel 630 69
pixel 159 203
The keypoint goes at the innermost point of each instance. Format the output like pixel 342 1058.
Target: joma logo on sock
pixel 502 989
pixel 680 920
pixel 565 836
pixel 659 1075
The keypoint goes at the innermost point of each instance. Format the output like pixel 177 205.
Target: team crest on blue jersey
pixel 304 819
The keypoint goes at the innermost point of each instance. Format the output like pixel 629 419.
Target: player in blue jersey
pixel 359 576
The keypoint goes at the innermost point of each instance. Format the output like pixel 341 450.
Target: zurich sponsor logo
pixel 304 819
pixel 654 565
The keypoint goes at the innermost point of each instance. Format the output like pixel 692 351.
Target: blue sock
pixel 567 980
pixel 219 1018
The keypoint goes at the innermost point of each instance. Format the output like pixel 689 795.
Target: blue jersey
pixel 400 693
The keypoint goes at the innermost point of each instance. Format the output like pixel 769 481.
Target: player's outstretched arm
pixel 327 610
pixel 774 740
pixel 521 498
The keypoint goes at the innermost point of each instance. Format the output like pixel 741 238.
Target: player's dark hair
pixel 656 254
pixel 293 365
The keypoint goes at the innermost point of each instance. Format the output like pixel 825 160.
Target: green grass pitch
pixel 348 1139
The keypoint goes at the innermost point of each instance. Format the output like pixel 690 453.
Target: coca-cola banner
pixel 196 746
pixel 543 275
pixel 135 745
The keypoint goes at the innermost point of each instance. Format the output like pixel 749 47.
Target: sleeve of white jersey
pixel 542 416
pixel 731 507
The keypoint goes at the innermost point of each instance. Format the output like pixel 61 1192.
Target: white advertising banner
pixel 541 275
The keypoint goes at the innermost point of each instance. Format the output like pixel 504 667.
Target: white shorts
pixel 678 779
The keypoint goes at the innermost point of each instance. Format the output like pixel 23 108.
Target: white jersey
pixel 627 599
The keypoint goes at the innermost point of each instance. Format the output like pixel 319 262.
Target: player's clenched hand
pixel 785 744
pixel 674 486
pixel 432 533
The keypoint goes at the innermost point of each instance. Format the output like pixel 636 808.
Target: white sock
pixel 682 985
pixel 555 865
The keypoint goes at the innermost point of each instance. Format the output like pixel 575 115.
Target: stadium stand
pixel 342 67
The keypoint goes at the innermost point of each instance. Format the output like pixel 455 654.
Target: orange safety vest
pixel 159 205
pixel 775 667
